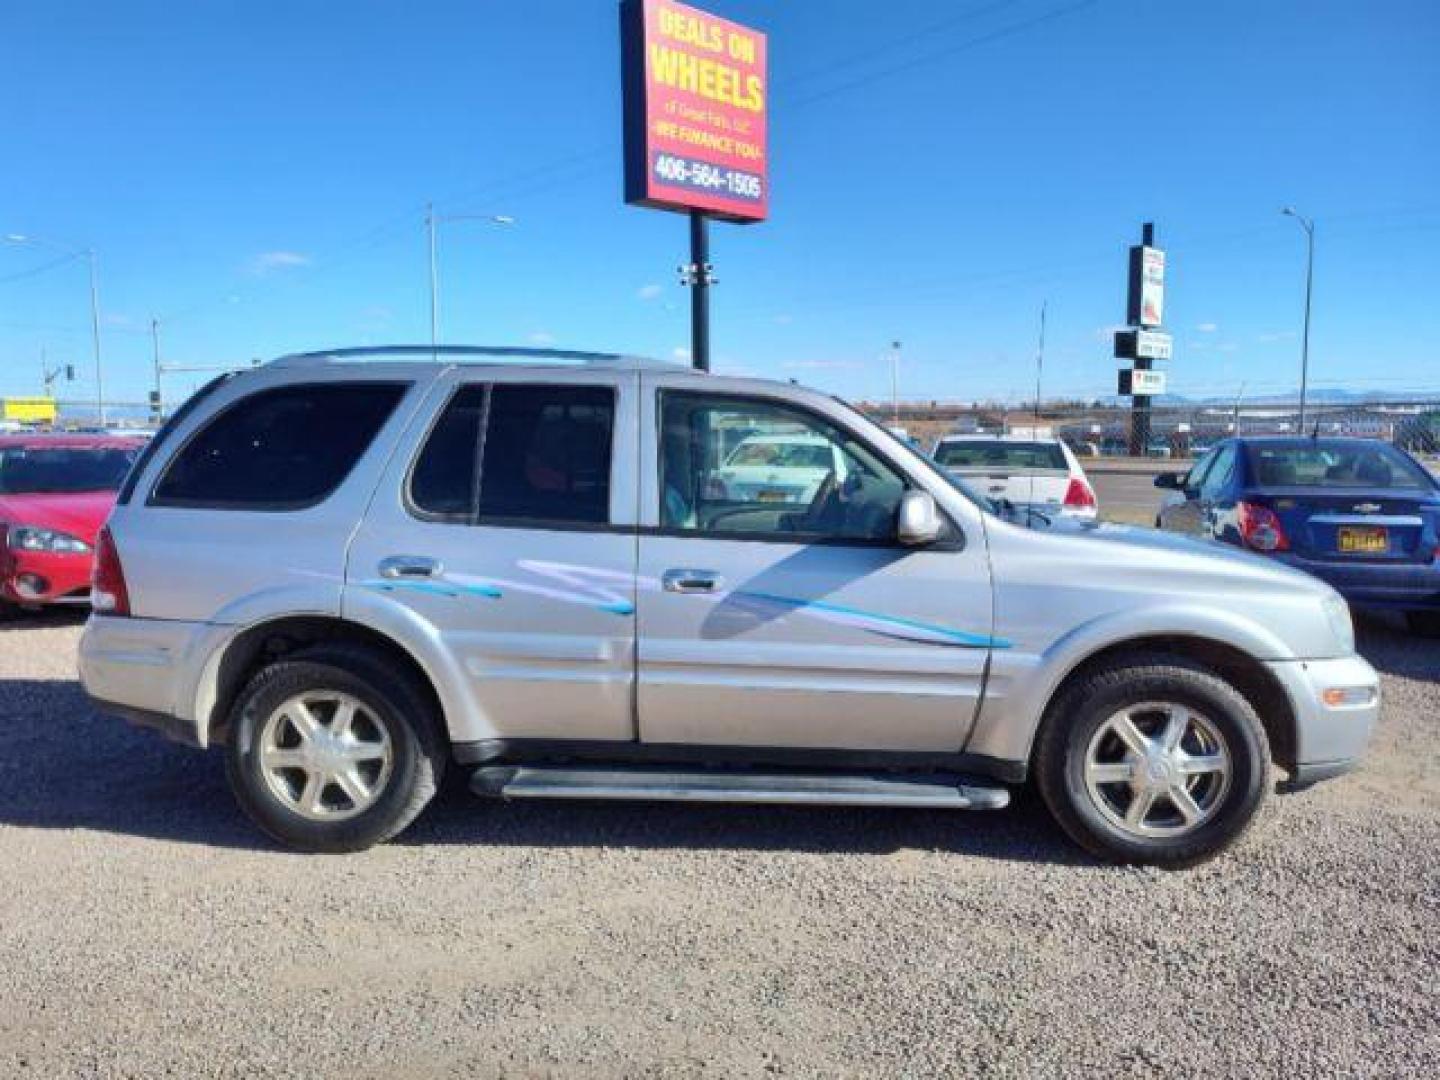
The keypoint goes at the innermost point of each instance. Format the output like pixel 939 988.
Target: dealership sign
pixel 1142 345
pixel 1147 286
pixel 1141 382
pixel 696 92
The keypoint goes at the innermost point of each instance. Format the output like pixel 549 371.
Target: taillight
pixel 108 594
pixel 1260 528
pixel 1078 495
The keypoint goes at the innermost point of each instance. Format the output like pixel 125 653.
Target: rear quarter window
pixel 284 448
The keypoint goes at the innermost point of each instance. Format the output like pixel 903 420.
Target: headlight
pixel 1338 612
pixel 32 538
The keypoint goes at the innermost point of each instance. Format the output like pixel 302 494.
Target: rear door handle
pixel 409 566
pixel 690 581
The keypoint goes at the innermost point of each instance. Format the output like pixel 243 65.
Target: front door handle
pixel 409 566
pixel 690 581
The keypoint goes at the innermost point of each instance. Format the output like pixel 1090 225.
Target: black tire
pixel 418 755
pixel 1080 709
pixel 1423 623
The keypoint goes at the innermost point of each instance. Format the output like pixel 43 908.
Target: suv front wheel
pixel 333 750
pixel 1153 760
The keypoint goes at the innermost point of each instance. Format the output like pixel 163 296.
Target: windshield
pixel 992 454
pixel 1343 465
pixel 31 470
pixel 782 455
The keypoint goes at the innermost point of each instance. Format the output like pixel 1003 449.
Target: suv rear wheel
pixel 333 750
pixel 1153 760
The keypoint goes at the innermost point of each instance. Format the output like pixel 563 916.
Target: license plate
pixel 1364 540
pixel 771 495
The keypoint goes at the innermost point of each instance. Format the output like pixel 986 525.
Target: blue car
pixel 1356 513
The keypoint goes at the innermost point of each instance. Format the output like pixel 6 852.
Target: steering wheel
pixel 829 488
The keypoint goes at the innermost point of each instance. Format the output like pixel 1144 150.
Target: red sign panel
pixel 696 93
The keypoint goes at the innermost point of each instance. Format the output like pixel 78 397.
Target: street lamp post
pixel 895 383
pixel 1308 224
pixel 432 221
pixel 88 254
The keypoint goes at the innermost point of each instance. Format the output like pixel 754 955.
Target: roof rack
pixel 459 354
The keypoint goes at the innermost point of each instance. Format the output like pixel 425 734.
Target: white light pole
pixel 895 383
pixel 432 220
pixel 88 254
pixel 1308 224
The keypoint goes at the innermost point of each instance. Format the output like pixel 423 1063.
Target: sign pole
pixel 700 282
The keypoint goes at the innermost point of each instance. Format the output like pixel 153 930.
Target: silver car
pixel 354 570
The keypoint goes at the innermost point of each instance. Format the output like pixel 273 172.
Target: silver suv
pixel 356 569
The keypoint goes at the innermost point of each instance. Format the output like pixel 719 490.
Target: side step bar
pixel 544 782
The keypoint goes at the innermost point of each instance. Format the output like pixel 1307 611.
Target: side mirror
pixel 1170 481
pixel 918 523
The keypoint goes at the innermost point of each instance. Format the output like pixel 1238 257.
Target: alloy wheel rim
pixel 325 755
pixel 1157 769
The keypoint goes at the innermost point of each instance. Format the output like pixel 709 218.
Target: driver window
pixel 745 467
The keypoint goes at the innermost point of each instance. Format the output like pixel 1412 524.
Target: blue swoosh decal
pixel 956 637
pixel 434 588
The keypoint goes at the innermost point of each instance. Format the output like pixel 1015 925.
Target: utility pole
pixel 895 383
pixel 1308 224
pixel 95 336
pixel 434 275
pixel 157 403
pixel 1040 361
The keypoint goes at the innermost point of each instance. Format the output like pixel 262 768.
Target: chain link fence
pixel 1175 431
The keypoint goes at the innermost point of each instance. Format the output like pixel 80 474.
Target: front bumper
pixel 46 577
pixel 1329 739
pixel 1407 586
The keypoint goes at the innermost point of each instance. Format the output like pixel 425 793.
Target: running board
pixel 929 791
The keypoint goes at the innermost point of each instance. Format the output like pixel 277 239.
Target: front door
pixel 776 608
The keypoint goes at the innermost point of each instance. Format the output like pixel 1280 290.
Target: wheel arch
pixel 236 662
pixel 1254 681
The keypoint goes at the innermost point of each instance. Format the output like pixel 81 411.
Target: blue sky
pixel 253 175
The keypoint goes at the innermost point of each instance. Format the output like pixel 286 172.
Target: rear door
pixel 506 527
pixel 795 623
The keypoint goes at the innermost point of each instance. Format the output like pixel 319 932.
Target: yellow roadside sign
pixel 28 410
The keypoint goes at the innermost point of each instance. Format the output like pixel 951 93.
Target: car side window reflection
pixel 738 466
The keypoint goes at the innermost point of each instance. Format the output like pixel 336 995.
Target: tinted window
pixel 991 454
pixel 1344 465
pixel 546 454
pixel 843 491
pixel 444 482
pixel 278 449
pixel 32 470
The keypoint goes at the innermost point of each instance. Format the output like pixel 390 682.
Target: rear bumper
pixel 140 669
pixel 1329 739
pixel 1407 586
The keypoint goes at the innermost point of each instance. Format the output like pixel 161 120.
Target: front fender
pixel 1021 682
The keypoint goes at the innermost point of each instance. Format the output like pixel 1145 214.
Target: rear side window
pixel 446 480
pixel 543 455
pixel 280 449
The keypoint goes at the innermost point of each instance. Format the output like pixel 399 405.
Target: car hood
pixel 1121 581
pixel 78 513
pixel 1145 541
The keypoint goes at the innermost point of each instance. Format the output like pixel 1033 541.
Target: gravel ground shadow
pixel 67 767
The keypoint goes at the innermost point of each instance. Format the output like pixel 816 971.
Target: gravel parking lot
pixel 148 930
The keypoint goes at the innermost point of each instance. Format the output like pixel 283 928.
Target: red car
pixel 55 493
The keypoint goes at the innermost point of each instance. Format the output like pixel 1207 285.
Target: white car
pixel 1039 474
pixel 779 468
